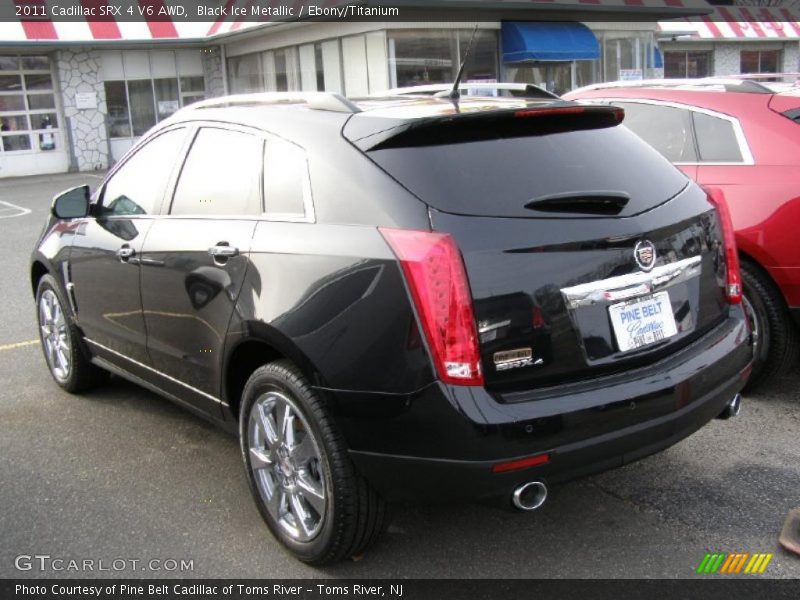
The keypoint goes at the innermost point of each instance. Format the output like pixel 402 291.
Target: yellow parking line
pixel 18 345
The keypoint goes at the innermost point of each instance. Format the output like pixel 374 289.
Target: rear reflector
pixel 435 275
pixel 522 463
pixel 733 283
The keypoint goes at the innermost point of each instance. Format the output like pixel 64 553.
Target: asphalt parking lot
pixel 122 474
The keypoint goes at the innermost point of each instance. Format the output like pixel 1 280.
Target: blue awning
pixel 548 41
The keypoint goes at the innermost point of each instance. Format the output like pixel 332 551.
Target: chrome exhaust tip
pixel 529 496
pixel 733 408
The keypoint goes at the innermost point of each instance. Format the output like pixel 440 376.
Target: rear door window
pixel 666 128
pixel 221 175
pixel 716 139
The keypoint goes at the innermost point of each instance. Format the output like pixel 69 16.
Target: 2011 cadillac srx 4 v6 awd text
pixel 401 297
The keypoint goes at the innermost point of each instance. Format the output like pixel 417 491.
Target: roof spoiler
pixel 375 133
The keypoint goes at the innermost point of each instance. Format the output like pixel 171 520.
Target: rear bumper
pixel 442 443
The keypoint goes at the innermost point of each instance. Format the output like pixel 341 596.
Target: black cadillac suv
pixel 401 297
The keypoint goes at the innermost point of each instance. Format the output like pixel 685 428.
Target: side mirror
pixel 72 204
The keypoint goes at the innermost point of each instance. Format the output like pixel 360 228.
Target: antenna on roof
pixel 454 93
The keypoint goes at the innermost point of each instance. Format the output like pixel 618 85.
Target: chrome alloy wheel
pixel 286 465
pixel 55 337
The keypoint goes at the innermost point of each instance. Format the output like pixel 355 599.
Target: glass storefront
pixel 420 57
pixel 144 87
pixel 28 117
pixel 428 56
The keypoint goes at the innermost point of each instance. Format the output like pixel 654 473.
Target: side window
pixel 221 175
pixel 137 188
pixel 287 190
pixel 716 139
pixel 665 128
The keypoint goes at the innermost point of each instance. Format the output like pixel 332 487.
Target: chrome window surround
pixel 738 132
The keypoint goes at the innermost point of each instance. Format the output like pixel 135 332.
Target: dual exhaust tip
pixel 532 495
pixel 529 496
pixel 733 408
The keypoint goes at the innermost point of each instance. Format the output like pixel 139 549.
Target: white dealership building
pixel 76 95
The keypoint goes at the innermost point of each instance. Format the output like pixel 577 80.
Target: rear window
pixel 716 139
pixel 500 177
pixel 666 128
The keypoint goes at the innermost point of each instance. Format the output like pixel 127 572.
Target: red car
pixel 744 137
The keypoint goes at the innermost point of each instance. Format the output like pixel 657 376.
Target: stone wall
pixel 726 59
pixel 212 71
pixel 791 58
pixel 79 72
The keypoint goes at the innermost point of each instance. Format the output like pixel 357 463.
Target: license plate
pixel 642 322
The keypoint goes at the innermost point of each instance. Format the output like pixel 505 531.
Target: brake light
pixel 733 283
pixel 434 272
pixel 543 112
pixel 615 113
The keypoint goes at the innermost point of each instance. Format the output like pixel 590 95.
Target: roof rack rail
pixel 315 100
pixel 727 84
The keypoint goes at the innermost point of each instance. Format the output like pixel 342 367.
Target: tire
pixel 301 477
pixel 775 335
pixel 62 343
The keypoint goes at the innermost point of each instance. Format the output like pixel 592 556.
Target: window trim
pixel 308 215
pixel 738 131
pixel 158 208
pixel 195 127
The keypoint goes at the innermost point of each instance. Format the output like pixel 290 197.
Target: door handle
pixel 125 252
pixel 223 250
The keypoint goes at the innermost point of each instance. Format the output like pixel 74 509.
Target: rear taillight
pixel 733 283
pixel 435 274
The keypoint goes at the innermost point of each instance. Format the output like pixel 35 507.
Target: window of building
pixel 667 129
pixel 137 187
pixel 286 187
pixel 245 74
pixel 626 55
pixel 28 116
pixel 144 88
pixel 318 67
pixel 760 61
pixel 716 139
pixel 680 64
pixel 221 175
pixel 423 56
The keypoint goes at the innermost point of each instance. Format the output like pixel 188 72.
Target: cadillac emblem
pixel 645 255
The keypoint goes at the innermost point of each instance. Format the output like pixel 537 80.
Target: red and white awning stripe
pixel 129 29
pixel 738 23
